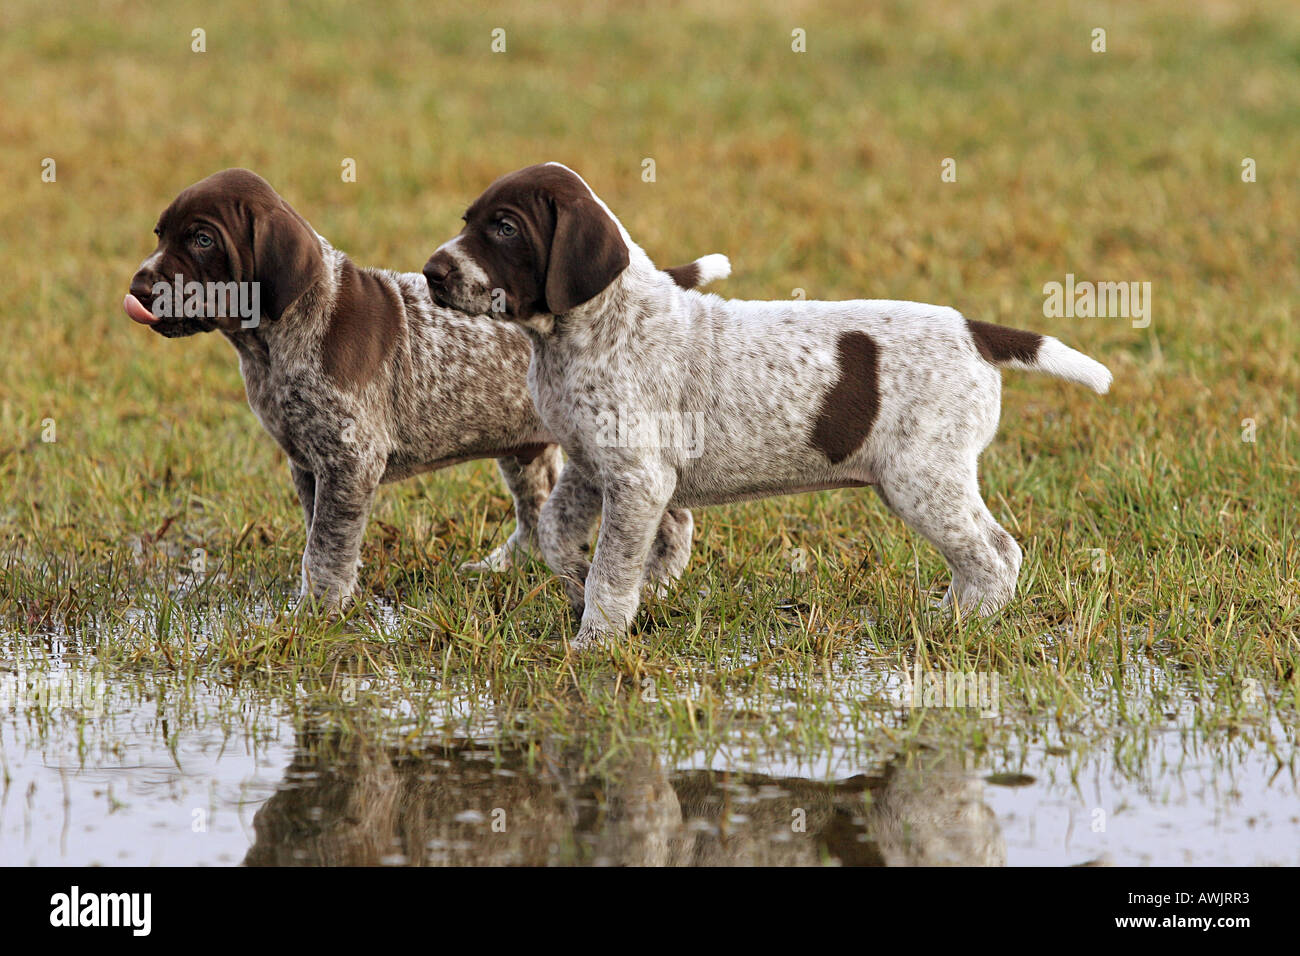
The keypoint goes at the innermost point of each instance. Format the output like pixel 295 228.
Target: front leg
pixel 304 482
pixel 564 531
pixel 633 509
pixel 340 510
pixel 530 480
pixel 564 538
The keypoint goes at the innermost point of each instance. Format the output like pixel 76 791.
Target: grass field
pixel 1158 522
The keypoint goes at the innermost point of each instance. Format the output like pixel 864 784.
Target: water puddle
pixel 120 767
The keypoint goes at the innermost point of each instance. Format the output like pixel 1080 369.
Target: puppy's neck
pixel 615 310
pixel 275 342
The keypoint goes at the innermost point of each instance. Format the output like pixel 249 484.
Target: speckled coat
pixel 789 396
pixel 357 374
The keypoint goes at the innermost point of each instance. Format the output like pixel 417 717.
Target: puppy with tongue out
pixel 356 373
pixel 136 310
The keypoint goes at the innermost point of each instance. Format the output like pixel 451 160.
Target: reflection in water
pixel 113 765
pixel 346 801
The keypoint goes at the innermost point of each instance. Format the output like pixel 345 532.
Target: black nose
pixel 436 271
pixel 142 287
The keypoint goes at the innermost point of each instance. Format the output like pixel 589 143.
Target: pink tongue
pixel 137 311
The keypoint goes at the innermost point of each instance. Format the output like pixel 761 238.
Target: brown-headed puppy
pixel 355 372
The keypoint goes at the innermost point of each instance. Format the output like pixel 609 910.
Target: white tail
pixel 1058 359
pixel 1015 348
pixel 713 267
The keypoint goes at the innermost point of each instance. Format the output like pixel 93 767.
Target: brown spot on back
pixel 997 343
pixel 363 328
pixel 850 407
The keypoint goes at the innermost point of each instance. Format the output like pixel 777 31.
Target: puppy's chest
pixel 573 396
pixel 293 410
pixel 267 402
pixel 569 415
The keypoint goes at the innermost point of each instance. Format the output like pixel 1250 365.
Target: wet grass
pixel 1158 522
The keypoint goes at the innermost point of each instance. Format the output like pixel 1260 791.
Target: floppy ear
pixel 587 254
pixel 286 258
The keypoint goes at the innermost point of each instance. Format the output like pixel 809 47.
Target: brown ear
pixel 587 254
pixel 286 258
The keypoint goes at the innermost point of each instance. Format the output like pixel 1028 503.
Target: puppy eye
pixel 506 229
pixel 157 232
pixel 202 240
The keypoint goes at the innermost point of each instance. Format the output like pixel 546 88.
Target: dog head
pixel 242 254
pixel 537 242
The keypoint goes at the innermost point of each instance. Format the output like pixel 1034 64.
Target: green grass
pixel 818 171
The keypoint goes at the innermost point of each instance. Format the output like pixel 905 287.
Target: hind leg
pixel 944 505
pixel 564 532
pixel 530 480
pixel 671 551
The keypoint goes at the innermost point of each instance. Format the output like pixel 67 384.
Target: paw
pixel 502 559
pixel 603 628
pixel 975 603
pixel 658 579
pixel 328 599
pixel 591 638
pixel 329 607
pixel 657 588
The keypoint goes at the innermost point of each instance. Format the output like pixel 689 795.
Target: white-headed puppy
pixel 669 398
